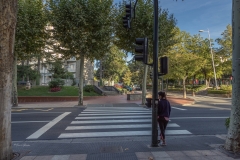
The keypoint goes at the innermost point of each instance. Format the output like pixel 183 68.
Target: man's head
pixel 161 95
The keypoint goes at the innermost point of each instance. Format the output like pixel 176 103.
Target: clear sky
pixel 195 15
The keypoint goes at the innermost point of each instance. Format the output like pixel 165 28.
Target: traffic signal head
pixel 128 10
pixel 141 50
pixel 126 22
pixel 164 65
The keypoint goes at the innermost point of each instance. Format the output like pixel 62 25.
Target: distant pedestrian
pixel 164 110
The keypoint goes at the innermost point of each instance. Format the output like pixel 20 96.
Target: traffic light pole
pixel 155 77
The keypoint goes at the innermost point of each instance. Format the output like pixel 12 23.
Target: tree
pixel 225 51
pixel 8 19
pixel 127 78
pixel 82 29
pixel 233 137
pixel 184 62
pixel 142 26
pixel 114 64
pixel 30 35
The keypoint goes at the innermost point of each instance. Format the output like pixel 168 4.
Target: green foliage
pixel 56 83
pixel 44 91
pixel 219 92
pixel 24 71
pixel 81 27
pixel 114 64
pixel 88 88
pixel 30 30
pixel 199 88
pixel 58 70
pixel 142 26
pixel 226 87
pixel 127 78
pixel 227 122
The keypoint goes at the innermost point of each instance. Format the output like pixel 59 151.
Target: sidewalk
pixel 126 148
pixel 174 100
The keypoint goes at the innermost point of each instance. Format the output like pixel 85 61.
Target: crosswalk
pixel 115 122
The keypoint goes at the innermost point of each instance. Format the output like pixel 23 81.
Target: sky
pixel 195 15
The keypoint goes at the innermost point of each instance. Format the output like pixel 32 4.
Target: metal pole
pixel 214 71
pixel 155 76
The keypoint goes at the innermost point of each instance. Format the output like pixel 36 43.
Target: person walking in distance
pixel 164 110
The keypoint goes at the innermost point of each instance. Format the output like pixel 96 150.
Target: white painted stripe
pixel 198 117
pixel 222 109
pixel 30 121
pixel 113 114
pixel 115 117
pixel 116 111
pixel 117 108
pixel 111 121
pixel 45 128
pixel 116 126
pixel 117 134
pixel 36 112
pixel 179 108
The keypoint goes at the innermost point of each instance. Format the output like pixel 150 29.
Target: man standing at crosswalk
pixel 164 110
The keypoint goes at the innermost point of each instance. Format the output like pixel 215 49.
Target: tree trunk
pixel 144 84
pixel 38 72
pixel 28 70
pixel 15 92
pixel 80 100
pixel 8 19
pixel 184 88
pixel 233 138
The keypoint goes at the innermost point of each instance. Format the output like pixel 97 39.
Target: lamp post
pixel 214 71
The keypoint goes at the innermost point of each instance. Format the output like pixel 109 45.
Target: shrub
pixel 226 87
pixel 199 88
pixel 56 83
pixel 88 88
pixel 227 122
pixel 218 92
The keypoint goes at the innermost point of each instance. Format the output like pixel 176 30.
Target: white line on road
pixel 116 126
pixel 45 128
pixel 179 108
pixel 111 121
pixel 30 121
pixel 112 114
pixel 115 117
pixel 115 111
pixel 120 133
pixel 36 112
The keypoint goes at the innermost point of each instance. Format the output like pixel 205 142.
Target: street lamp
pixel 214 71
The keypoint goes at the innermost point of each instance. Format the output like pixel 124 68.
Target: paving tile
pixel 181 158
pixel 160 154
pixel 218 158
pixel 192 153
pixel 199 158
pixel 60 157
pixel 163 158
pixel 43 158
pixel 175 153
pixel 219 153
pixel 143 155
pixel 78 157
pixel 207 152
pixel 28 158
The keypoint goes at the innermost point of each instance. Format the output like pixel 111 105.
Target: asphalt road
pixel 206 117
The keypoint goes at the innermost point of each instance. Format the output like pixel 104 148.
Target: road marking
pixel 222 109
pixel 45 128
pixel 117 111
pixel 116 108
pixel 112 114
pixel 111 121
pixel 115 117
pixel 179 108
pixel 30 121
pixel 37 112
pixel 116 126
pixel 120 133
pixel 197 117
